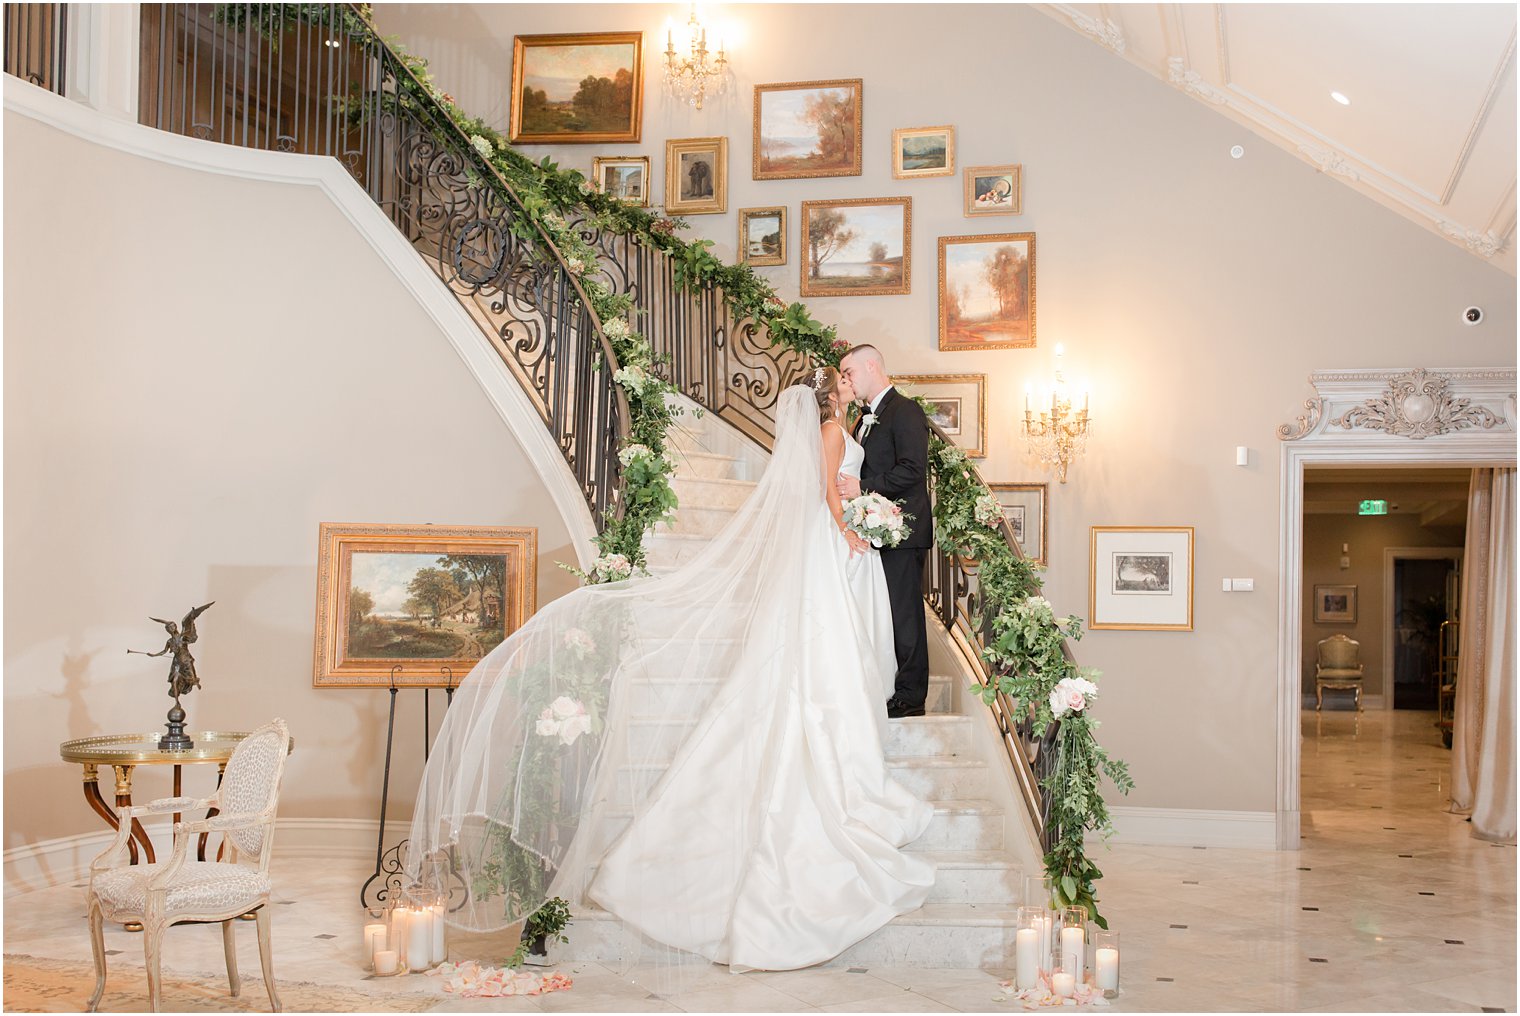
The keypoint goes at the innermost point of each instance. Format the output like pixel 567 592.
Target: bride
pixel 700 753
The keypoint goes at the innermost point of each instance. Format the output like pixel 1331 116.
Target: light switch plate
pixel 1245 585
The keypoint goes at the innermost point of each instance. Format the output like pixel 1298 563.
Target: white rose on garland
pixel 483 146
pixel 564 718
pixel 634 451
pixel 633 378
pixel 610 567
pixel 616 328
pixel 1071 695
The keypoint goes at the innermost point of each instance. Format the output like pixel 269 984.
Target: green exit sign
pixel 1373 507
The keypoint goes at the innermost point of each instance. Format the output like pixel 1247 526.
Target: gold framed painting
pixel 696 176
pixel 1334 604
pixel 807 129
pixel 958 406
pixel 1142 578
pixel 762 236
pixel 625 178
pixel 577 88
pixel 431 600
pixel 923 151
pixel 986 291
pixel 1025 506
pixel 857 247
pixel 994 190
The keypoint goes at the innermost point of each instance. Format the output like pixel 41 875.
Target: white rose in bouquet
pixel 1071 694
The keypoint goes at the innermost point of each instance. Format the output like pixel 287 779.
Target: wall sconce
pixel 698 74
pixel 1059 433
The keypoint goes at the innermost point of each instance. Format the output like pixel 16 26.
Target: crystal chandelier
pixel 698 74
pixel 1058 433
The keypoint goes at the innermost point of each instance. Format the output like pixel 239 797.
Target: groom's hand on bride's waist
pixel 849 487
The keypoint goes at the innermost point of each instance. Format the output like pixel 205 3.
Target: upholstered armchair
pixel 182 890
pixel 1339 667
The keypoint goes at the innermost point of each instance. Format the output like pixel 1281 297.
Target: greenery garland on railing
pixel 1026 656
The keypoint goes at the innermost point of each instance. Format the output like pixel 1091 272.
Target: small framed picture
pixel 807 128
pixel 428 599
pixel 986 291
pixel 762 236
pixel 1024 506
pixel 958 406
pixel 1142 578
pixel 625 178
pixel 857 247
pixel 994 190
pixel 696 176
pixel 923 151
pixel 1335 604
pixel 578 88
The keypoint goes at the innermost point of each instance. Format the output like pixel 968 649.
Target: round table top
pixel 142 749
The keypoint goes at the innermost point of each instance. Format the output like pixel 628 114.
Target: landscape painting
pixel 807 129
pixel 626 179
pixel 857 247
pixel 1024 506
pixel 431 600
pixel 578 88
pixel 762 236
pixel 1141 579
pixel 986 291
pixel 923 151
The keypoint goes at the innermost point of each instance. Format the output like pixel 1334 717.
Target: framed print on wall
pixel 1025 507
pixel 623 178
pixel 994 190
pixel 959 404
pixel 923 151
pixel 578 88
pixel 422 598
pixel 762 236
pixel 857 247
pixel 1142 578
pixel 986 291
pixel 807 128
pixel 1335 604
pixel 696 176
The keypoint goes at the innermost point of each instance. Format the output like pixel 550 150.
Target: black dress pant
pixel 904 571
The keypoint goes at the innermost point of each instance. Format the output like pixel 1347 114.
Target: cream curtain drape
pixel 1483 735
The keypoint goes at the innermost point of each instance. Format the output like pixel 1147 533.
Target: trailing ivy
pixel 1026 655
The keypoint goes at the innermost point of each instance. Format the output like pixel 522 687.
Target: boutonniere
pixel 866 423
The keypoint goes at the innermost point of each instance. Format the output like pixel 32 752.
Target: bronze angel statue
pixel 182 679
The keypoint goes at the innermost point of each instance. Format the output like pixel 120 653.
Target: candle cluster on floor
pixel 411 936
pixel 1056 962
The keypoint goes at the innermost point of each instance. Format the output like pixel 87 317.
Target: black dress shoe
pixel 897 710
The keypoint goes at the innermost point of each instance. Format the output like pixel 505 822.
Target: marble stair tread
pixel 705 465
pixel 959 860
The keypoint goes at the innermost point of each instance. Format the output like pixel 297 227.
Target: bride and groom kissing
pixel 701 754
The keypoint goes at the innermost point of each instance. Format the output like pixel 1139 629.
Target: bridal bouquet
pixel 877 519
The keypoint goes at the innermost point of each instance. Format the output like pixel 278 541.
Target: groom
pixel 895 434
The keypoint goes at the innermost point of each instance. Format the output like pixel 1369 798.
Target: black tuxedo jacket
pixel 897 463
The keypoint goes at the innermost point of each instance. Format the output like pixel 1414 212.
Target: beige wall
pixel 1367 537
pixel 199 370
pixel 1196 292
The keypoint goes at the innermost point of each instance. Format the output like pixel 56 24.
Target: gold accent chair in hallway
pixel 183 890
pixel 1339 668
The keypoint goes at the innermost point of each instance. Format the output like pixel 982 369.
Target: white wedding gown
pixel 731 798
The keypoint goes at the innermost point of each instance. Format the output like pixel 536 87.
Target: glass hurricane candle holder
pixel 1105 951
pixel 420 907
pixel 1031 949
pixel 1073 942
pixel 1039 891
pixel 375 935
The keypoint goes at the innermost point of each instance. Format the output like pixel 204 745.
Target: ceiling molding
pixel 1481 176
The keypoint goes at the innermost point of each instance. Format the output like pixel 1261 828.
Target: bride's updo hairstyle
pixel 825 382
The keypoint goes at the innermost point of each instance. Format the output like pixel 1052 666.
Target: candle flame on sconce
pixel 698 73
pixel 1058 433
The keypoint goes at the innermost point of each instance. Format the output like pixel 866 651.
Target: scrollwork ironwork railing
pixel 316 79
pixel 36 43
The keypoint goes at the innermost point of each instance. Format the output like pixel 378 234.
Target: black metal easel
pixel 390 865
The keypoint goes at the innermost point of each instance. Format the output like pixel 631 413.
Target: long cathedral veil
pixel 563 734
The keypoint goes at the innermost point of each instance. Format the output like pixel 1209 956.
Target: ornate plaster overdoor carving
pixel 1414 404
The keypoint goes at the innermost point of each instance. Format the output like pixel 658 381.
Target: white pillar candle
pixel 1064 985
pixel 1072 941
pixel 1044 925
pixel 1106 968
pixel 386 962
pixel 1026 958
pixel 440 940
pixel 398 937
pixel 419 939
pixel 374 941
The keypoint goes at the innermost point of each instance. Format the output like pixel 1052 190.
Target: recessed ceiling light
pixel 1338 97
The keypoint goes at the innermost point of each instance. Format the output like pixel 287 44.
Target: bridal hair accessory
pixel 819 375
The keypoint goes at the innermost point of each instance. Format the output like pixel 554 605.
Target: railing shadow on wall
pixel 316 79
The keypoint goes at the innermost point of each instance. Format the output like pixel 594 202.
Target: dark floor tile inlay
pixel 1179 926
pixel 1306 869
pixel 1168 980
pixel 1406 855
pixel 285 903
pixel 858 970
pixel 1492 1008
pixel 1315 909
pixel 1318 959
pixel 324 936
pixel 1424 892
pixel 1455 941
pixel 113 952
pixel 1189 881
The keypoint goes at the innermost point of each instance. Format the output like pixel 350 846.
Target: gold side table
pixel 125 752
